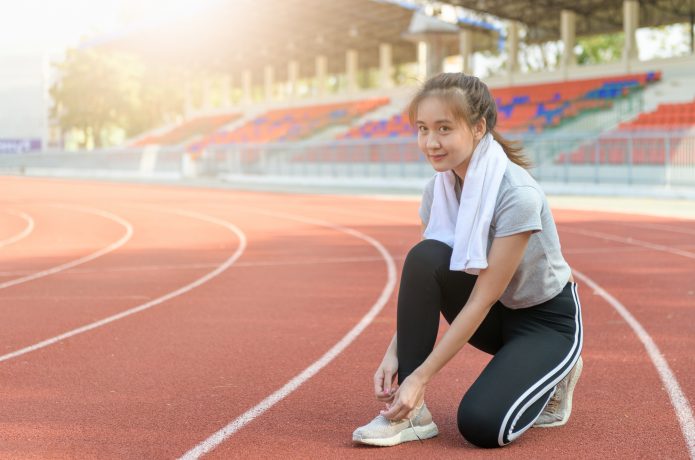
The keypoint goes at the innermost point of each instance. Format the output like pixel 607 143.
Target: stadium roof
pixel 593 16
pixel 231 35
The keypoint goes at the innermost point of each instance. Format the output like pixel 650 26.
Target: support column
pixel 568 28
pixel 386 65
pixel 435 56
pixel 292 78
pixel 351 70
pixel 430 57
pixel 321 66
pixel 247 97
pixel 421 61
pixel 630 22
pixel 512 47
pixel 268 82
pixel 466 50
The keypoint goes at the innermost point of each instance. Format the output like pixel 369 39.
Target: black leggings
pixel 534 348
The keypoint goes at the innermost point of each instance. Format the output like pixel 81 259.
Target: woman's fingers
pixel 387 382
pixel 379 383
pixel 396 411
pixel 384 385
pixel 389 377
pixel 385 398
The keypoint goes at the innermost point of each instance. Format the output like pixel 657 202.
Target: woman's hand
pixel 384 385
pixel 408 396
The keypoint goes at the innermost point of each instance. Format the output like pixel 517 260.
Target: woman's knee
pixel 429 254
pixel 479 425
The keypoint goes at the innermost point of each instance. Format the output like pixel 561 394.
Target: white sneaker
pixel 558 409
pixel 383 432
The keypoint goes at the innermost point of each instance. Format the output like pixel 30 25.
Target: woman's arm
pixel 386 373
pixel 503 260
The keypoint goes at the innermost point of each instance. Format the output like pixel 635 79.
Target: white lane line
pixel 217 438
pixel 226 264
pixel 112 247
pixel 668 228
pixel 608 250
pixel 678 399
pixel 24 233
pixel 620 239
pixel 269 263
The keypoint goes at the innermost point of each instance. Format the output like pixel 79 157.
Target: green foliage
pixel 600 49
pixel 97 92
pixel 160 101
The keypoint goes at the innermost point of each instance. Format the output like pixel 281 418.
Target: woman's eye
pixel 422 129
pixel 444 128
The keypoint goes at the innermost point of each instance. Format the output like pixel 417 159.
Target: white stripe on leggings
pixel 568 362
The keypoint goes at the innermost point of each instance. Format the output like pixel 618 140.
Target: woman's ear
pixel 480 128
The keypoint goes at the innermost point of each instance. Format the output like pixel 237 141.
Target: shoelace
pixel 555 400
pixel 411 425
pixel 552 405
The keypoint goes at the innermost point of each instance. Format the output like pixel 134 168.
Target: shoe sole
pixel 570 392
pixel 424 432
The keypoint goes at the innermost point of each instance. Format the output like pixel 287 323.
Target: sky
pixel 50 26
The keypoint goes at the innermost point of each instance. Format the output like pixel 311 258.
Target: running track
pixel 139 320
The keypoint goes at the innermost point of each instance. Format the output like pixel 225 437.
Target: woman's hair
pixel 469 100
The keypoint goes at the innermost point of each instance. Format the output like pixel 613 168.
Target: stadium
pixel 202 230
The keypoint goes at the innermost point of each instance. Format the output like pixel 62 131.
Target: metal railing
pixel 665 158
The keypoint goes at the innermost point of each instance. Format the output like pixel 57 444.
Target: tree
pixel 100 91
pixel 600 49
pixel 160 99
pixel 95 92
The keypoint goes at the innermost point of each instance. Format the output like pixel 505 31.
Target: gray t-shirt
pixel 521 206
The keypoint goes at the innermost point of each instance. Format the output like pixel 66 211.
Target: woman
pixel 490 262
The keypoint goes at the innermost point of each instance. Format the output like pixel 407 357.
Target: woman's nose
pixel 432 143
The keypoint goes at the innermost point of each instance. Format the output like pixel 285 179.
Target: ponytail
pixel 513 149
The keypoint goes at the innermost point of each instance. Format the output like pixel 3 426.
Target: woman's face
pixel 447 143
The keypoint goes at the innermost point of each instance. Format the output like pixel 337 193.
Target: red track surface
pixel 159 382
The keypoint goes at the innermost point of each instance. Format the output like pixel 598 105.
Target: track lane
pixel 12 237
pixel 594 428
pixel 84 259
pixel 51 306
pixel 56 241
pixel 177 409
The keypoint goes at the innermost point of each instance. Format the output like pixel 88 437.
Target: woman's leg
pixel 428 287
pixel 541 345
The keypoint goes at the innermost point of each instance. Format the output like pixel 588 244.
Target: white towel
pixel 465 226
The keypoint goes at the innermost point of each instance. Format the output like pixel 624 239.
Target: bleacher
pixel 670 116
pixel 199 126
pixel 292 124
pixel 653 138
pixel 396 126
pixel 527 108
pixel 537 107
pixel 521 109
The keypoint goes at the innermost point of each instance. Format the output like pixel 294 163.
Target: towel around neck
pixel 464 224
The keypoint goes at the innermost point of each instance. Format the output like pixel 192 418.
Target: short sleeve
pixel 518 210
pixel 426 203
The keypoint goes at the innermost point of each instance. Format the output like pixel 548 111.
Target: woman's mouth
pixel 437 157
